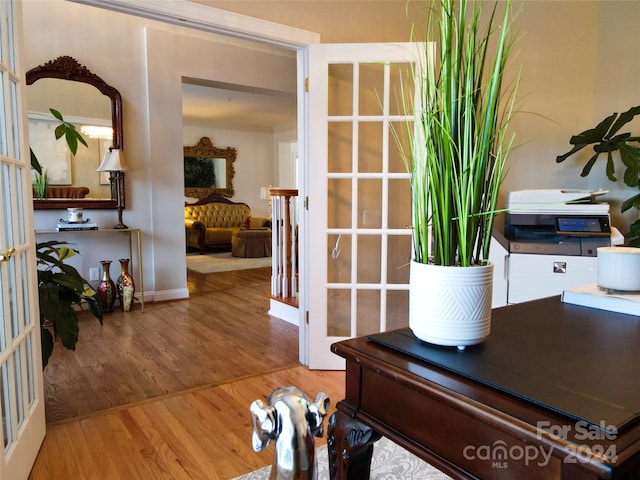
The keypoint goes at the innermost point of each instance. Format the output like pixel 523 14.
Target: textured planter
pixel 450 306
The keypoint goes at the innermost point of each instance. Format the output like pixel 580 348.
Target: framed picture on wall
pixel 209 168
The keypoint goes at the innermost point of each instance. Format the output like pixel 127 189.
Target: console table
pixel 128 232
pixel 552 393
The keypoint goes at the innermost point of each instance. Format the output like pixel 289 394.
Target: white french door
pixel 21 391
pixel 359 195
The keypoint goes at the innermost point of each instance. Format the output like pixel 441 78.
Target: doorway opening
pixel 261 126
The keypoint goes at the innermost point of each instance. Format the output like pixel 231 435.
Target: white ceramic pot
pixel 450 306
pixel 619 268
pixel 74 215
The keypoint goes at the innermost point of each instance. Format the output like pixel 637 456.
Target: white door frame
pixel 213 20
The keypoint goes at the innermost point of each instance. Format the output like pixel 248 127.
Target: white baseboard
pixel 165 295
pixel 284 312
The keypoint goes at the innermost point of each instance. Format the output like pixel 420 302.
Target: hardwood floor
pixel 165 393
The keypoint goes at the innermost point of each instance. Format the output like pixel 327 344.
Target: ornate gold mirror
pixel 208 169
pixel 82 98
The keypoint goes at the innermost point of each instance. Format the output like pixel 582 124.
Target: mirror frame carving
pixel 206 149
pixel 68 68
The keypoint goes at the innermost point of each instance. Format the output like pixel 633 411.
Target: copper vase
pixel 125 285
pixel 106 288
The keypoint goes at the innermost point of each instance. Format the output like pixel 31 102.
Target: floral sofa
pixel 211 222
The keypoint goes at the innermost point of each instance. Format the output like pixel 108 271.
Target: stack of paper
pixel 594 297
pixel 61 227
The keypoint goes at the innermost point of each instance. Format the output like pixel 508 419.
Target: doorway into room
pixel 261 126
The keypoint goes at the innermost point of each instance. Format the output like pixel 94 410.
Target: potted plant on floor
pixel 456 153
pixel 61 288
pixel 61 292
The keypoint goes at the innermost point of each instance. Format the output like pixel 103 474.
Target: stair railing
pixel 284 272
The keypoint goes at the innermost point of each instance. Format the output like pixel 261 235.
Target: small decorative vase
pixel 450 306
pixel 106 288
pixel 126 286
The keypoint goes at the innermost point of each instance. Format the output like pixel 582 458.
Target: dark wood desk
pixel 553 393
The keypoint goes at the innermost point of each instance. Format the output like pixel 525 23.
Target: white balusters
pixel 284 275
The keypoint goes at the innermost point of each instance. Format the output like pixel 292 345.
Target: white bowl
pixel 619 268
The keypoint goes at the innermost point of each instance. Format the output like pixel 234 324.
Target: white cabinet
pixel 537 276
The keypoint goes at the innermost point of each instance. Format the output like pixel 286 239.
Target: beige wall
pixel 578 64
pixel 254 166
pixel 350 21
pixel 616 86
pixel 146 62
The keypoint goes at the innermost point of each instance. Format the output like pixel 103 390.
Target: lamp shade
pixel 114 161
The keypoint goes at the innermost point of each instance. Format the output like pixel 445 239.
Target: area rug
pixel 390 462
pixel 223 262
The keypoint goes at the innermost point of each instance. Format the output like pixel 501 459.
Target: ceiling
pixel 233 106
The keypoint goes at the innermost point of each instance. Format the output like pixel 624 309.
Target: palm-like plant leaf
pixel 61 290
pixel 605 138
pixel 588 137
pixel 633 237
pixel 624 118
pixel 630 156
pixel 66 130
pixel 35 164
pixel 632 202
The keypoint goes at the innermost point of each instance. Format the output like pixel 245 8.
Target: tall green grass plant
pixel 458 142
pixel 40 184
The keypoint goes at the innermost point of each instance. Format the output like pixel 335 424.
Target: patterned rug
pixel 223 262
pixel 390 462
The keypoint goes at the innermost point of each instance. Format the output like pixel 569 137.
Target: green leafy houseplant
pixel 71 136
pixel 61 292
pixel 61 289
pixel 606 139
pixel 457 148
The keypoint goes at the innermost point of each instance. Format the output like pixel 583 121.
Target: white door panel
pixel 359 195
pixel 21 391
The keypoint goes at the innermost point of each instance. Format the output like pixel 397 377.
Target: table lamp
pixel 265 194
pixel 115 163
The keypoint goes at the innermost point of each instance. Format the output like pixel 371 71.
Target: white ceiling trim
pixel 214 20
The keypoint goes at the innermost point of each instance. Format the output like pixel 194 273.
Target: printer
pixel 550 243
pixel 559 222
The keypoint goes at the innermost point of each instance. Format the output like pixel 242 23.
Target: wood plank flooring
pixel 165 394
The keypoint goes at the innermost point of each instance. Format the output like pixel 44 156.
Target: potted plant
pixel 61 288
pixel 61 292
pixel 456 153
pixel 40 181
pixel 606 139
pixel 71 136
